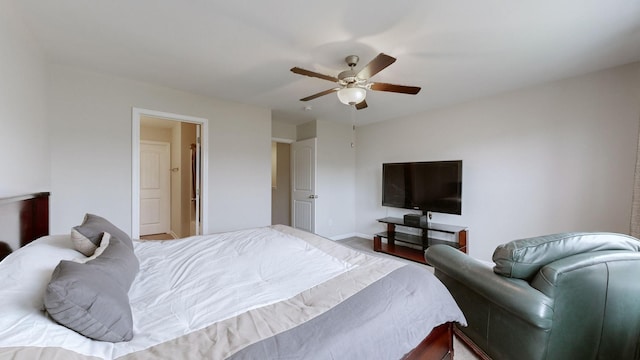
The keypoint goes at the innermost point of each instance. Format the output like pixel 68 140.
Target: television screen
pixel 428 186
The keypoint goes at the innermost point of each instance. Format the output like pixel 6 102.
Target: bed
pixel 265 293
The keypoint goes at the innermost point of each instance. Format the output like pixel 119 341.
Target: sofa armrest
pixel 546 281
pixel 513 295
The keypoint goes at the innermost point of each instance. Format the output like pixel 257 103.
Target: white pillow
pixel 103 245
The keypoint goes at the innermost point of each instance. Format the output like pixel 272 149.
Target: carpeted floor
pixel 460 350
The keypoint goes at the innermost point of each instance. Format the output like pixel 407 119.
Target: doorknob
pixel 313 196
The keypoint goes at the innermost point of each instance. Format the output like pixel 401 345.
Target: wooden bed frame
pixel 31 211
pixel 437 345
pixel 29 217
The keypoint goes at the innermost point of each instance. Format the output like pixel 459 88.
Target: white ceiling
pixel 242 50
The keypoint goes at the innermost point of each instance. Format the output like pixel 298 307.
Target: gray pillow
pixel 91 298
pixel 87 236
pixel 522 259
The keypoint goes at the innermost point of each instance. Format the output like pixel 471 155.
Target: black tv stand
pixel 420 242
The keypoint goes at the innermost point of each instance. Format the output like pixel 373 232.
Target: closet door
pixel 155 192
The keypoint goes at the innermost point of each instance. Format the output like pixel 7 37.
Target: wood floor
pixel 157 237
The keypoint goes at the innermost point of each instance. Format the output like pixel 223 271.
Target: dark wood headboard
pixel 24 218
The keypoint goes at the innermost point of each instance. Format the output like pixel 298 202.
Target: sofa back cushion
pixel 523 258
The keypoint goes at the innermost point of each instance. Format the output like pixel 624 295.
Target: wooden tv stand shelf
pixel 423 240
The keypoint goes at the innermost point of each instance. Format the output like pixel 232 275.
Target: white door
pixel 155 192
pixel 303 184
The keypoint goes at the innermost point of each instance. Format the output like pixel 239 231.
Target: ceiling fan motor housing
pixel 348 77
pixel 352 60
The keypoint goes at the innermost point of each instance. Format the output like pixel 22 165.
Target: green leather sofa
pixel 562 296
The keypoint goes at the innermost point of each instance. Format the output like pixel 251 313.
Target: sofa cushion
pixel 523 258
pixel 92 298
pixel 87 236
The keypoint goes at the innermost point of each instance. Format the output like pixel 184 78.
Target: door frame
pixel 289 189
pixel 136 114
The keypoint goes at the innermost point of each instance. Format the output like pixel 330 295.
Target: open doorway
pixel 169 170
pixel 280 183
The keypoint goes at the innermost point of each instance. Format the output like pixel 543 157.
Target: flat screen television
pixel 428 186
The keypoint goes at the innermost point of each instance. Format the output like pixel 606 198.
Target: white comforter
pixel 183 286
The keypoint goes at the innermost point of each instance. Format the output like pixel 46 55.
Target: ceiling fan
pixel 353 86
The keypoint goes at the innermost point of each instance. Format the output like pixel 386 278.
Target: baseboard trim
pixel 342 236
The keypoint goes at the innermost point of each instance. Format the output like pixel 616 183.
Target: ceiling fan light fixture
pixel 352 86
pixel 352 95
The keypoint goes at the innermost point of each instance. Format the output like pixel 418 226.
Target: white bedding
pixel 177 291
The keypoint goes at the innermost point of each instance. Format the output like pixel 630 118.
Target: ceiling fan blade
pixel 322 93
pixel 310 73
pixel 361 105
pixel 376 65
pixel 395 88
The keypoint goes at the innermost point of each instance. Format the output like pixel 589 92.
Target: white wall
pixel 283 131
pixel 551 158
pixel 307 130
pixel 90 122
pixel 24 155
pixel 335 177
